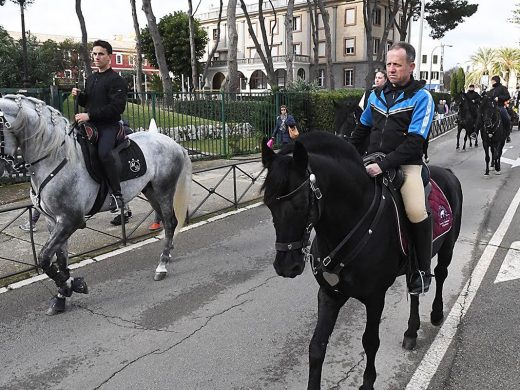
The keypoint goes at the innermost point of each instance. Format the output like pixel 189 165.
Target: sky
pixel 488 27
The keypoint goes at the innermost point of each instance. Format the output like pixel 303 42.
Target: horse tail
pixel 182 196
pixel 152 128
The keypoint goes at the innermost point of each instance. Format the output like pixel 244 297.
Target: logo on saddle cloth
pixel 134 165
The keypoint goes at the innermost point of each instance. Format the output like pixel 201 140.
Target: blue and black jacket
pixel 397 120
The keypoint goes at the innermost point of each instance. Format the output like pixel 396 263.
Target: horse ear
pixel 267 154
pixel 300 155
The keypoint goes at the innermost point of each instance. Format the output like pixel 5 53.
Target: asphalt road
pixel 222 319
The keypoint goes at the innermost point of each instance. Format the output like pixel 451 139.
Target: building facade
pixel 349 47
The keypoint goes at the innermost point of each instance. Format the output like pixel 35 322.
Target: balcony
pixel 301 59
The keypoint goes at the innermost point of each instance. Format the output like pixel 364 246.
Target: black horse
pixel 493 132
pixel 467 119
pixel 345 117
pixel 324 185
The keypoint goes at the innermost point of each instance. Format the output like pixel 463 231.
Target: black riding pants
pixel 111 162
pixel 505 119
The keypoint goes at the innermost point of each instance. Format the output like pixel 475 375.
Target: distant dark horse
pixel 492 131
pixel 467 119
pixel 324 185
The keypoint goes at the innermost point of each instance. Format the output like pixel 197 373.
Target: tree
pixel 138 51
pixel 9 51
pixel 25 66
pixel 193 50
pixel 263 52
pixel 160 57
pixel 232 64
pixel 84 41
pixel 453 84
pixel 313 15
pixel 369 7
pixel 441 15
pixel 328 44
pixel 507 62
pixel 461 80
pixel 516 15
pixel 174 37
pixel 289 50
pixel 482 63
pixel 215 46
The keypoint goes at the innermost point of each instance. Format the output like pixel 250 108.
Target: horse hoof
pixel 409 343
pixel 437 320
pixel 159 276
pixel 57 306
pixel 79 285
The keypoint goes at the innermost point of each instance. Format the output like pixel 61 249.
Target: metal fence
pixel 214 190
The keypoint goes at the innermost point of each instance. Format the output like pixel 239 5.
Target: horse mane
pixel 49 135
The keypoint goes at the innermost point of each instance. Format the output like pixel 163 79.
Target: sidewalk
pixel 217 175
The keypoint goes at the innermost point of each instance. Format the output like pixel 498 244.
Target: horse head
pixel 489 116
pixel 288 195
pixel 344 117
pixel 9 136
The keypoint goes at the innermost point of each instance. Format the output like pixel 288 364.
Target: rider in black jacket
pixel 105 100
pixel 473 95
pixel 500 93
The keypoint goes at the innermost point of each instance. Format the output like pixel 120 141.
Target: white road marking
pixel 513 163
pixel 510 269
pixel 127 248
pixel 433 357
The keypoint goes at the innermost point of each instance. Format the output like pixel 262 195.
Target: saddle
pixel 436 203
pixel 133 163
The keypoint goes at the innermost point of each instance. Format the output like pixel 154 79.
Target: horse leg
pixel 441 273
pixel 371 339
pixel 328 310
pixel 459 129
pixel 414 323
pixel 59 273
pixel 465 139
pixel 486 151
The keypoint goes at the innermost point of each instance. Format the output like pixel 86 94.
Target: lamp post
pixel 419 45
pixel 442 45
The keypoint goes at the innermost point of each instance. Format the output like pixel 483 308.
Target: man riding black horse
pixel 473 95
pixel 500 93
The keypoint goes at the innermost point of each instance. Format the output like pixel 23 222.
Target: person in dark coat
pixel 501 95
pixel 283 121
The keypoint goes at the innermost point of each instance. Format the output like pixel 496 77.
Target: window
pixel 423 76
pixel 301 74
pixel 348 77
pixel 321 77
pixel 215 33
pixel 435 59
pixel 350 46
pixel 388 45
pixel 297 48
pixel 131 60
pixel 258 80
pixel 275 51
pixel 297 23
pixel 377 43
pixel 252 52
pixel 119 59
pixel 424 59
pixel 350 16
pixel 376 16
pixel 435 75
pixel 321 49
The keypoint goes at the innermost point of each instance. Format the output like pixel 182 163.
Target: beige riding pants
pixel 412 192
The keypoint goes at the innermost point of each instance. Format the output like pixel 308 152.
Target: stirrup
pixel 116 204
pixel 426 280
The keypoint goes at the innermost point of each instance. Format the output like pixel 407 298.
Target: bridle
pixel 10 159
pixel 315 196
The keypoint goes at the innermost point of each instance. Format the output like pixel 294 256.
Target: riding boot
pixel 112 172
pixel 422 240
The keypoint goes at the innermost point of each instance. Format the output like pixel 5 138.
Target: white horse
pixel 64 191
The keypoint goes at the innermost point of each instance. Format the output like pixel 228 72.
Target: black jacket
pixel 397 120
pixel 501 92
pixel 473 96
pixel 104 97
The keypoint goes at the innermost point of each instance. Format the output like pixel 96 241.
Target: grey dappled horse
pixel 66 195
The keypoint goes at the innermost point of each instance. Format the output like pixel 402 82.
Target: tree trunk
pixel 159 51
pixel 26 82
pixel 313 13
pixel 139 56
pixel 289 50
pixel 380 58
pixel 266 57
pixel 85 57
pixel 368 9
pixel 232 77
pixel 329 83
pixel 215 46
pixel 193 54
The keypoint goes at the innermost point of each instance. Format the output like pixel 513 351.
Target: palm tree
pixel 482 62
pixel 507 61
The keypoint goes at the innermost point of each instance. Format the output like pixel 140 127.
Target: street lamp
pixel 442 45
